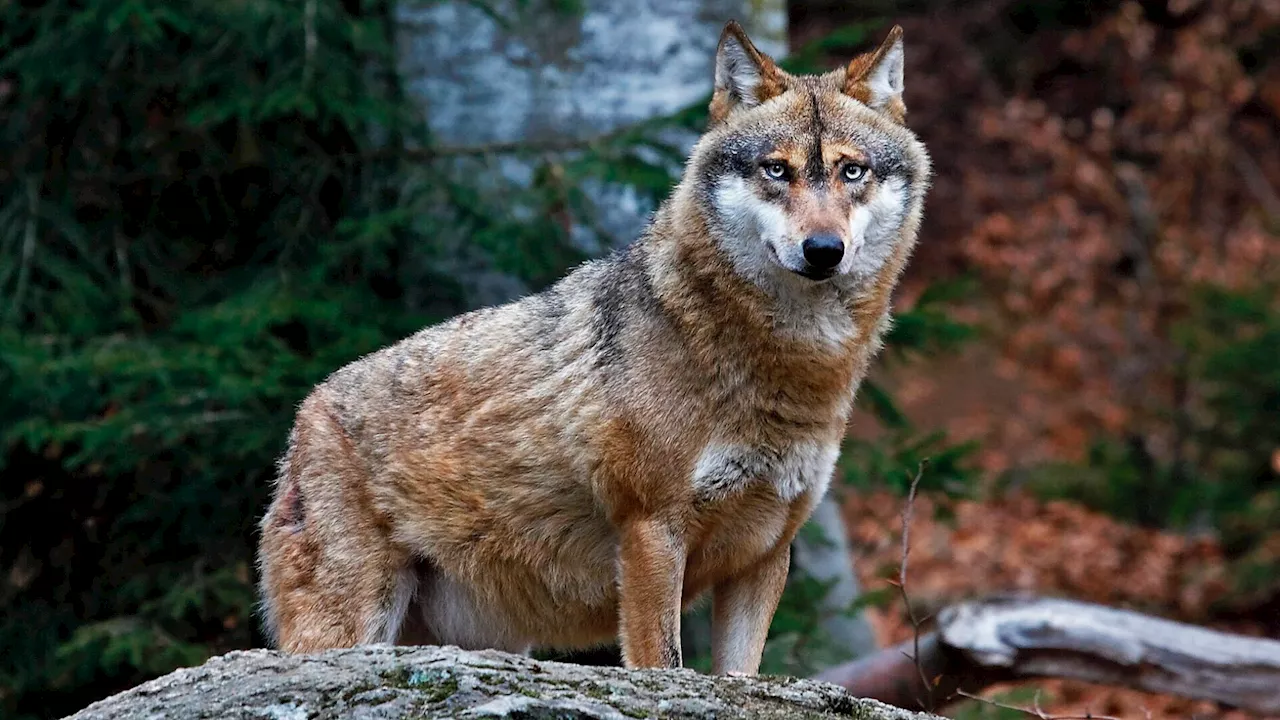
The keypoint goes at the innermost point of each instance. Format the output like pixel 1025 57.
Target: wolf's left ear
pixel 875 79
pixel 745 77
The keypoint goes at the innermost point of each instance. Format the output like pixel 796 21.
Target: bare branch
pixel 517 147
pixel 907 511
pixel 28 246
pixel 310 42
pixel 1035 710
pixel 1256 181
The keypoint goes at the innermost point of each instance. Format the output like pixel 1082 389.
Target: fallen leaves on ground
pixel 964 548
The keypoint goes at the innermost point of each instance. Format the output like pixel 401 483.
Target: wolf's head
pixel 809 179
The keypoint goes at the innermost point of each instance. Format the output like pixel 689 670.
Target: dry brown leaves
pixel 1056 548
pixel 1130 162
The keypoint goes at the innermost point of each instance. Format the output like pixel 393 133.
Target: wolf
pixel 581 465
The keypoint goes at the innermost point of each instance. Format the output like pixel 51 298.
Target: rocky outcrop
pixel 435 682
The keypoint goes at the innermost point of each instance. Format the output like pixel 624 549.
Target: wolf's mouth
pixel 813 274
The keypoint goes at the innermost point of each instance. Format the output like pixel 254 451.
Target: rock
pixel 444 682
pixel 513 71
pixel 824 555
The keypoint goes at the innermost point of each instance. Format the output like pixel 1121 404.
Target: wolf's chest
pixel 724 470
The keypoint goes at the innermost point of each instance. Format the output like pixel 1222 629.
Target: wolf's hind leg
pixel 330 575
pixel 741 612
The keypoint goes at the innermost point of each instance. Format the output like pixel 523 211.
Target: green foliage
pixel 927 329
pixel 892 459
pixel 205 207
pixel 797 644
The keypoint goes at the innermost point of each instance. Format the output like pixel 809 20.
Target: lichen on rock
pixel 444 682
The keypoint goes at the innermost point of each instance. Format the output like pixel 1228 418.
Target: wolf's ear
pixel 875 79
pixel 745 77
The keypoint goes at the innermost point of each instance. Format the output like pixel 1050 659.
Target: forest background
pixel 206 207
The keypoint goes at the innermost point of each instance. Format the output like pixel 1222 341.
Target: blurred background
pixel 206 207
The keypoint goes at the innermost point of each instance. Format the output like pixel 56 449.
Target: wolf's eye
pixel 853 172
pixel 774 169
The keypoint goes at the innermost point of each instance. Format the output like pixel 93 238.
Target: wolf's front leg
pixel 743 608
pixel 651 566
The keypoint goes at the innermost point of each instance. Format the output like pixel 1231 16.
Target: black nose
pixel 823 251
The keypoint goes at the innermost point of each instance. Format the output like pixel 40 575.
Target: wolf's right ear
pixel 745 77
pixel 875 79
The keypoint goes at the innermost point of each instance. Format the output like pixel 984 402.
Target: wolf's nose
pixel 823 251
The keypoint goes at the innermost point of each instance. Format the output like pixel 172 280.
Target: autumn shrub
pixel 1124 163
pixel 1222 473
pixel 1115 196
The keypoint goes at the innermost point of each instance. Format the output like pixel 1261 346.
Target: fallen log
pixel 1006 638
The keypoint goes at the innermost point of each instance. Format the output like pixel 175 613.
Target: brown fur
pixel 546 472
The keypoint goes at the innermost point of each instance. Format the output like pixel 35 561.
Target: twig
pixel 907 512
pixel 122 264
pixel 436 153
pixel 28 246
pixel 1036 711
pixel 311 41
pixel 1256 181
pixel 514 147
